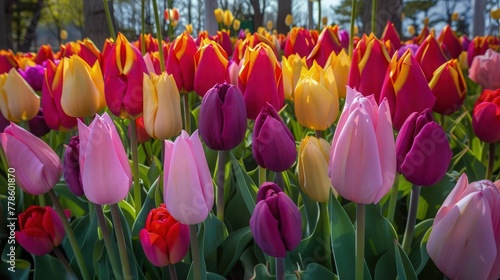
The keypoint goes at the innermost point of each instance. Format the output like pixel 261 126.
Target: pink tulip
pixel 465 239
pixel 363 154
pixel 38 168
pixel 104 167
pixel 484 70
pixel 188 188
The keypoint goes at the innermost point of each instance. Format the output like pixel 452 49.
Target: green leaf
pixel 379 235
pixel 50 267
pixel 232 247
pixel 214 236
pixel 20 271
pixel 316 271
pixel 244 184
pixel 403 264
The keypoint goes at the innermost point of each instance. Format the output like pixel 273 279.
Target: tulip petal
pixel 290 222
pixel 53 225
pixel 155 248
pixel 177 242
pixel 265 231
pixel 35 241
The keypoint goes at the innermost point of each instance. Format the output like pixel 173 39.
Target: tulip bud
pixel 210 64
pixel 273 145
pixel 485 68
pixel 228 18
pixel 7 61
pixel 449 87
pixel 486 116
pixel 275 222
pixel 411 30
pixel 391 34
pixel 298 42
pixel 465 242
pixel 71 166
pixel 495 13
pixel 340 64
pixel 430 56
pixel 236 24
pixel 454 16
pixel 292 67
pixel 450 42
pixel 18 101
pixel 37 125
pixel 142 134
pixel 33 76
pixel 180 62
pixel 223 118
pixel 165 241
pixel 288 20
pixel 40 229
pixel 27 154
pixel 478 46
pixel 328 41
pixel 44 54
pixel 312 167
pixel 219 15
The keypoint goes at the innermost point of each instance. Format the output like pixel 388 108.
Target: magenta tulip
pixel 71 166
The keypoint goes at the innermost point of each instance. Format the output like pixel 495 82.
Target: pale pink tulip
pixel 484 70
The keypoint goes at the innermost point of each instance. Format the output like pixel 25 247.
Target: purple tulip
pixel 275 222
pixel 273 145
pixel 34 76
pixel 3 123
pixel 71 166
pixel 223 117
pixel 37 125
pixel 423 152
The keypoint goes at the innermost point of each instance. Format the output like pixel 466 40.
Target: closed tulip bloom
pixel 82 88
pixel 227 18
pixel 7 61
pixel 40 230
pixel 340 64
pixel 292 67
pixel 485 68
pixel 328 41
pixel 299 42
pixel 495 13
pixel 188 187
pixel 38 168
pixel 362 164
pixel 3 123
pixel 33 76
pixel 450 42
pixel 233 70
pixel 180 62
pixel 162 112
pixel 37 125
pixel 261 80
pixel 44 53
pixel 423 152
pixel 486 116
pixel 273 145
pixel 222 38
pixel 312 167
pixel 275 223
pixel 165 241
pixel 18 101
pixel 465 242
pixel 391 34
pixel 406 89
pixel 219 15
pixel 84 49
pixel 223 117
pixel 104 167
pixel 71 166
pixel 210 66
pixel 123 79
pixel 478 46
pixel 449 87
pixel 370 60
pixel 142 133
pixel 430 56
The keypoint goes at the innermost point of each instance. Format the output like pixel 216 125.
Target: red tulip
pixel 210 67
pixel 7 61
pixel 449 87
pixel 430 56
pixel 486 116
pixel 180 62
pixel 391 34
pixel 298 42
pixel 328 41
pixel 450 42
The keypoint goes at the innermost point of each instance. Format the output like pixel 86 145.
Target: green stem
pixel 107 241
pixel 491 161
pixel 374 15
pixel 318 134
pixel 195 251
pixel 122 247
pixel 143 27
pixel 64 261
pixel 279 180
pixel 172 272
pixel 187 113
pixel 412 218
pixel 221 170
pixel 325 219
pixel 393 200
pixel 135 166
pixel 280 268
pixel 110 22
pixel 351 36
pixel 262 175
pixel 158 35
pixel 360 241
pixel 71 235
pixel 41 200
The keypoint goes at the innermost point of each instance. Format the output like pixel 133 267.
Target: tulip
pixel 465 242
pixel 292 68
pixel 288 20
pixel 82 88
pixel 298 42
pixel 424 33
pixel 165 241
pixel 362 164
pixel 449 87
pixel 370 60
pixel 150 43
pixel 478 46
pixel 465 42
pixel 34 76
pixel 223 117
pixel 44 54
pixel 340 64
pixel 123 79
pixel 406 89
pixel 84 49
pixel 142 133
pixel 18 101
pixel 391 34
pixel 495 13
pixel 37 125
pixel 328 41
pixel 273 145
pixel 7 61
pixel 3 123
pixel 227 18
pixel 316 99
pixel 486 116
pixel 180 62
pixel 275 222
pixel 38 168
pixel 210 63
pixel 261 80
pixel 450 42
pixel 485 68
pixel 430 56
pixel 222 38
pixel 219 15
pixel 104 167
pixel 233 70
pixel 423 152
pixel 162 112
pixel 188 188
pixel 312 167
pixel 40 230
pixel 152 61
pixel 71 166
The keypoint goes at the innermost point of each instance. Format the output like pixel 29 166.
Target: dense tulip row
pixel 270 92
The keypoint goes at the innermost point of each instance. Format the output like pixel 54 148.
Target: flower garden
pixel 306 155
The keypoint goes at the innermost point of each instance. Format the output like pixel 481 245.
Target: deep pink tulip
pixel 485 70
pixel 180 62
pixel 328 42
pixel 391 34
pixel 71 166
pixel 275 223
pixel 430 56
pixel 210 63
pixel 465 239
pixel 188 187
pixel 486 116
pixel 450 43
pixel 478 46
pixel 104 166
pixel 38 168
pixel 363 156
pixel 298 42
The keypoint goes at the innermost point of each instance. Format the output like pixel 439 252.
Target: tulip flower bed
pixel 262 156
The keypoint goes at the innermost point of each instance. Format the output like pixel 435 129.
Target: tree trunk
pixel 284 8
pixel 478 7
pixel 310 18
pixel 389 10
pixel 210 23
pixel 258 17
pixel 6 24
pixel 96 25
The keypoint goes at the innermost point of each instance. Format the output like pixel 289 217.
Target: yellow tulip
pixel 18 101
pixel 292 68
pixel 312 168
pixel 495 13
pixel 162 106
pixel 236 24
pixel 462 61
pixel 288 20
pixel 63 34
pixel 219 15
pixel 228 18
pixel 426 21
pixel 269 25
pixel 411 30
pixel 454 16
pixel 189 28
pixel 340 64
pixel 83 88
pixel 324 20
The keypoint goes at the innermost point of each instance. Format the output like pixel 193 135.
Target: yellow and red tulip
pixel 210 62
pixel 180 62
pixel 449 87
